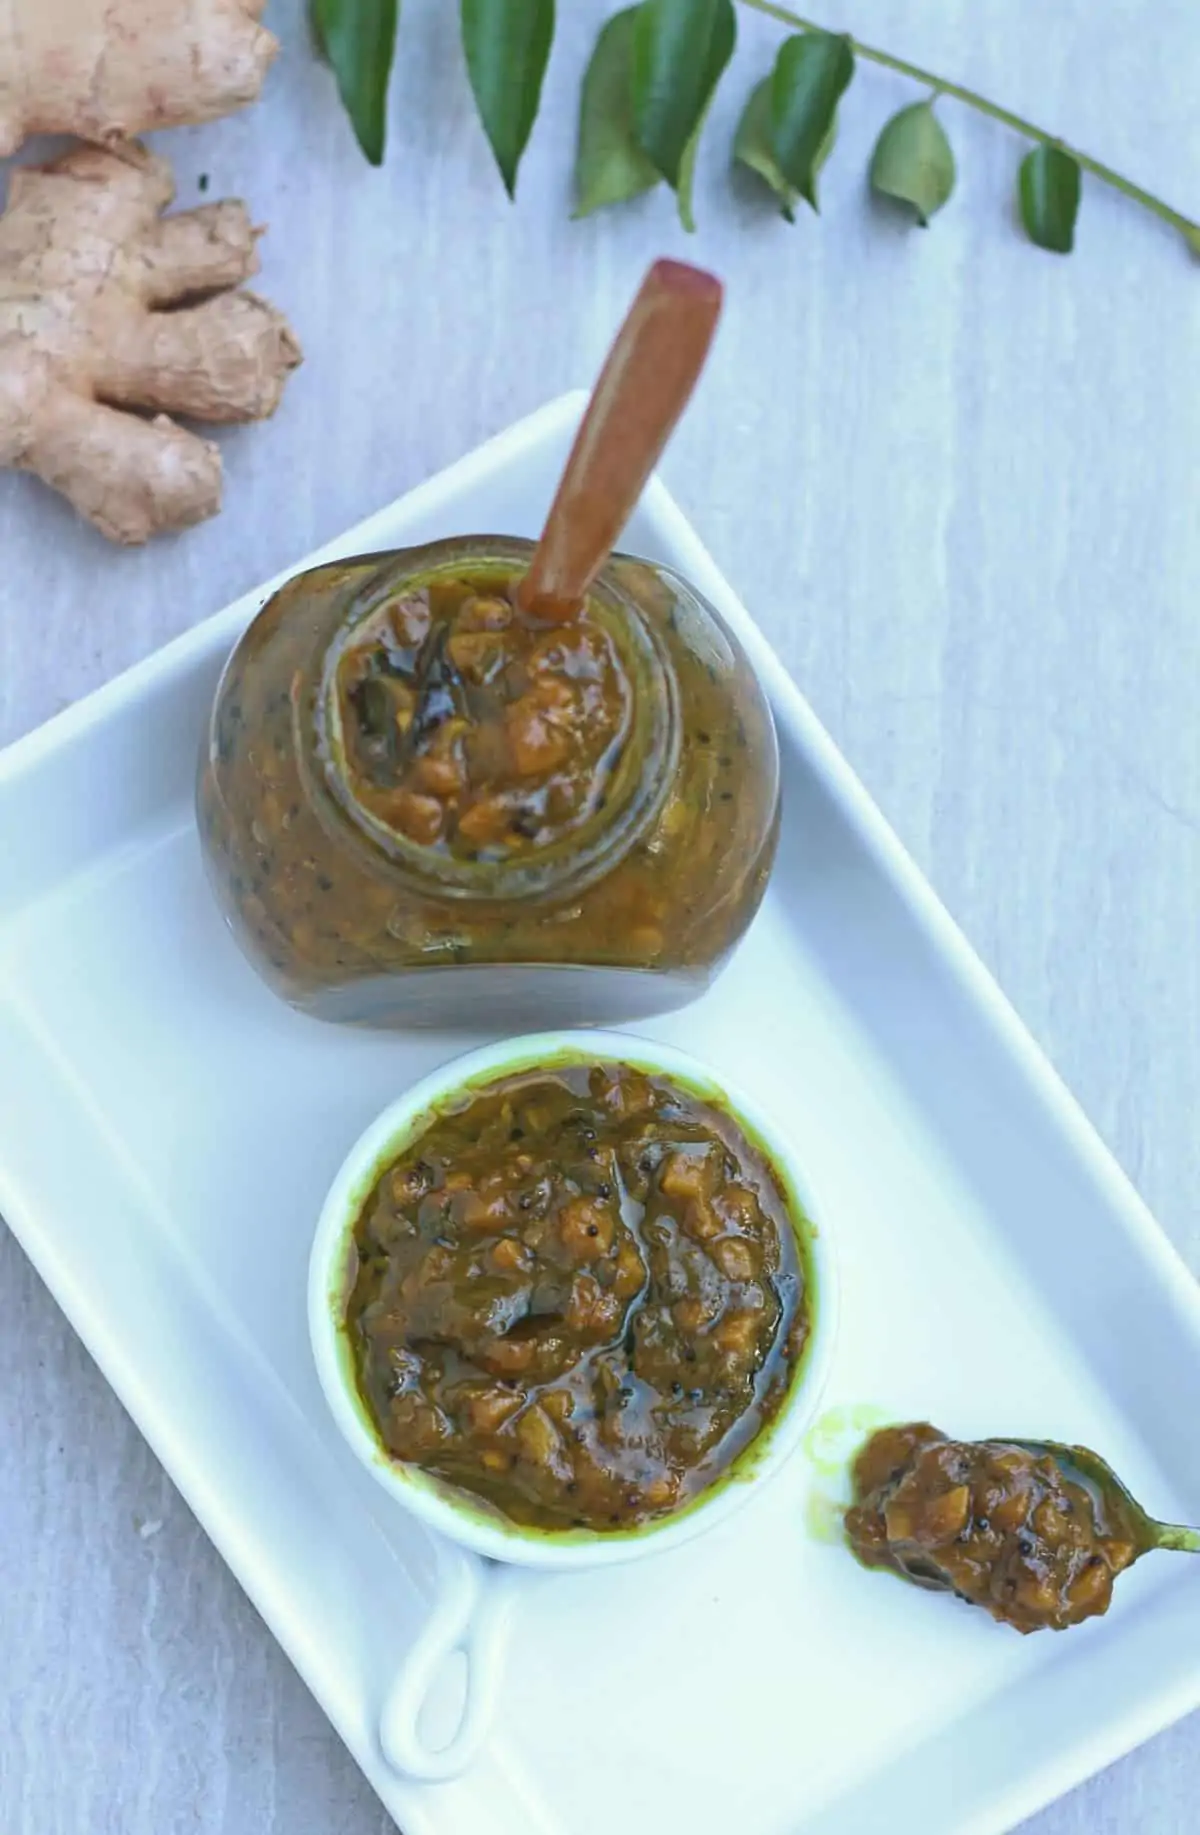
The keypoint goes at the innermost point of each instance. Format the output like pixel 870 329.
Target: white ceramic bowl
pixel 471 1614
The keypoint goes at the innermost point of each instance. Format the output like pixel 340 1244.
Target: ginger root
pixel 105 69
pixel 106 305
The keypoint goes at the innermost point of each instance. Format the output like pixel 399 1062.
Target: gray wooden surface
pixel 954 478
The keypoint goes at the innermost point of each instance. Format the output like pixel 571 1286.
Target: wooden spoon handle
pixel 643 388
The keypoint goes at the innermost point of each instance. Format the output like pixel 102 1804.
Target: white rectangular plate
pixel 167 1129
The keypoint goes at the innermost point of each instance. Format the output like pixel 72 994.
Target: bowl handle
pixel 472 1614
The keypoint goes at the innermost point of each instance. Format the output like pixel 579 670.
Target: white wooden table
pixel 955 479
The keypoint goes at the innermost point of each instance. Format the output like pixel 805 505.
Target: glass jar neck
pixel 637 784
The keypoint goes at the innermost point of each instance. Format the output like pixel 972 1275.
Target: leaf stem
pixel 1188 229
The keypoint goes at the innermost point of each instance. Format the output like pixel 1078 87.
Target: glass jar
pixel 420 806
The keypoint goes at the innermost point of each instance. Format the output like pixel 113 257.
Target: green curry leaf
pixel 507 45
pixel 610 166
pixel 913 161
pixel 812 73
pixel 687 177
pixel 680 49
pixel 1050 185
pixel 358 39
pixel 754 149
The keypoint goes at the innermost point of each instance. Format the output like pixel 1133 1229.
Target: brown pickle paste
pixel 996 1523
pixel 468 726
pixel 579 1297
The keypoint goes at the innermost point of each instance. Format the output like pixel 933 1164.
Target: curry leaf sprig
pixel 648 89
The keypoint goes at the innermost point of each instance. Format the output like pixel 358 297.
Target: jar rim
pixel 640 779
